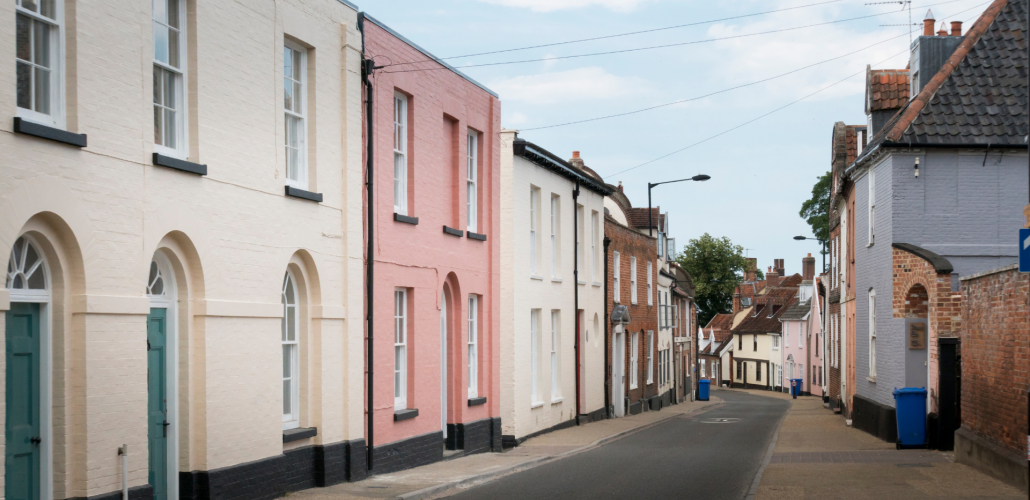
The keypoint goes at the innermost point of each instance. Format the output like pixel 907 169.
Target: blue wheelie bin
pixel 795 387
pixel 910 403
pixel 702 389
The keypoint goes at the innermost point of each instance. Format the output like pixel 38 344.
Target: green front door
pixel 157 402
pixel 22 431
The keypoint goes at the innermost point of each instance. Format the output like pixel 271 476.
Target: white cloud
pixel 582 84
pixel 552 5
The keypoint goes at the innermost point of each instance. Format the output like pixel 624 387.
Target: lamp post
pixel 803 238
pixel 650 224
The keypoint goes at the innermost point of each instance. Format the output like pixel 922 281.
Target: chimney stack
pixel 780 269
pixel 772 278
pixel 736 300
pixel 928 23
pixel 576 161
pixel 751 273
pixel 956 28
pixel 808 268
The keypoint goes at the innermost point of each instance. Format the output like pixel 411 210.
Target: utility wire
pixel 625 34
pixel 681 101
pixel 623 51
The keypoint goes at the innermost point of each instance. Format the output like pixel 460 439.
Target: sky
pixel 761 172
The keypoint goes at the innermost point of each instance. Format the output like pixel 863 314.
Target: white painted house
pixel 552 223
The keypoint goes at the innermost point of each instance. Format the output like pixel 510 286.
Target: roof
pixel 886 89
pixel 978 97
pixel 776 299
pixel 792 281
pixel 798 311
pixel 362 17
pixel 940 264
pixel 550 161
pixel 720 321
pixel 637 217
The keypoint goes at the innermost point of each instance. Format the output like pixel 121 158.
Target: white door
pixel 618 372
pixel 443 363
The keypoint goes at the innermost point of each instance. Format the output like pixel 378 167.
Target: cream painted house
pixel 544 202
pixel 180 205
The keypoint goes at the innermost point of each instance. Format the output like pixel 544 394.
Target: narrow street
pixel 700 453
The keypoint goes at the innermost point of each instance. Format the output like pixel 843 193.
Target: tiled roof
pixel 637 217
pixel 792 281
pixel 886 89
pixel 979 96
pixel 851 142
pixel 762 322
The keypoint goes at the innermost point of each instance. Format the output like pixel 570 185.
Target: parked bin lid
pixel 910 390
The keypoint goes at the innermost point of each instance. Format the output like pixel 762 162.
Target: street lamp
pixel 803 238
pixel 650 224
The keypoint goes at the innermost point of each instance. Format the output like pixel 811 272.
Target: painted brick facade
pixel 995 354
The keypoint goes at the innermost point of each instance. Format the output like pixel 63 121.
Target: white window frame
pixel 181 149
pixel 632 279
pixel 300 179
pixel 555 221
pixel 534 356
pixel 615 277
pixel 400 153
pixel 400 349
pixel 872 207
pixel 633 355
pixel 650 356
pixel 291 420
pixel 872 334
pixel 593 246
pixel 473 347
pixel 56 117
pixel 533 194
pixel 580 228
pixel 786 334
pixel 775 342
pixel 555 348
pixel 650 292
pixel 471 180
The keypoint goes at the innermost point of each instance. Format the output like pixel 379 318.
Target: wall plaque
pixel 917 335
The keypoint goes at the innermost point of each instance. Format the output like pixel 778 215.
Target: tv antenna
pixel 905 4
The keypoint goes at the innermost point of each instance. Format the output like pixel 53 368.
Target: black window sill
pixel 477 401
pixel 299 433
pixel 44 132
pixel 405 219
pixel 399 415
pixel 304 195
pixel 454 232
pixel 177 164
pixel 476 236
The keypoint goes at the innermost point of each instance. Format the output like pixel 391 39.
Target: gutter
pixel 868 152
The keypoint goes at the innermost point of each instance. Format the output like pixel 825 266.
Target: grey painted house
pixel 948 174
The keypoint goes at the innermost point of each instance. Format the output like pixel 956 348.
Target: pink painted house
pixel 436 387
pixel 800 345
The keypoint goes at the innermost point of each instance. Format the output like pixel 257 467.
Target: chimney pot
pixel 928 23
pixel 575 154
pixel 956 28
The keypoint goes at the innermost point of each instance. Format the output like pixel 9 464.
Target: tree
pixel 716 267
pixel 816 211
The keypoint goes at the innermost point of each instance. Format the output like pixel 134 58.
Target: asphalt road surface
pixel 694 456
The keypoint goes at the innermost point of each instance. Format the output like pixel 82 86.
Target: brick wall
pixel 630 243
pixel 995 352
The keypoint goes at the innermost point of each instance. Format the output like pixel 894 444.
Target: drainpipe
pixel 124 452
pixel 607 340
pixel 575 289
pixel 367 67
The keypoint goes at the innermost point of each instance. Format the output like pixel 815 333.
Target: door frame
pixel 444 323
pixel 169 302
pixel 618 371
pixel 46 388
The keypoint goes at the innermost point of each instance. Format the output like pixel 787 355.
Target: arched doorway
pixel 28 435
pixel 917 308
pixel 162 379
pixel 443 360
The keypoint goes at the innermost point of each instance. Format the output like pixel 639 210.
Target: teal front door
pixel 22 434
pixel 157 401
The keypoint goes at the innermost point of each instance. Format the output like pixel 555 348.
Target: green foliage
pixel 716 266
pixel 816 211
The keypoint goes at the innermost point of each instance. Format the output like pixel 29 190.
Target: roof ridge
pixel 905 118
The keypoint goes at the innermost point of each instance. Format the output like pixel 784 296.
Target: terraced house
pixel 178 301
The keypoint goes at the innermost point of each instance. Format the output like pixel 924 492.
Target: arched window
pixel 25 269
pixel 291 359
pixel 156 282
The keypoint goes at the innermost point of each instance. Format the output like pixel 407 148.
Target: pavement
pixel 817 456
pixel 458 474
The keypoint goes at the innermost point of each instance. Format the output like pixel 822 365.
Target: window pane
pixel 42 91
pixel 158 126
pixel 296 65
pixel 160 43
pixel 298 99
pixel 290 295
pixel 157 85
pixel 41 44
pixel 170 139
pixel 160 10
pixel 287 401
pixel 173 13
pixel 158 287
pixel 398 363
pixel 291 324
pixel 23 32
pixel 287 94
pixel 24 85
pixel 47 9
pixel 173 48
pixel 170 90
pixel 286 361
pixel 37 281
pixel 30 5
